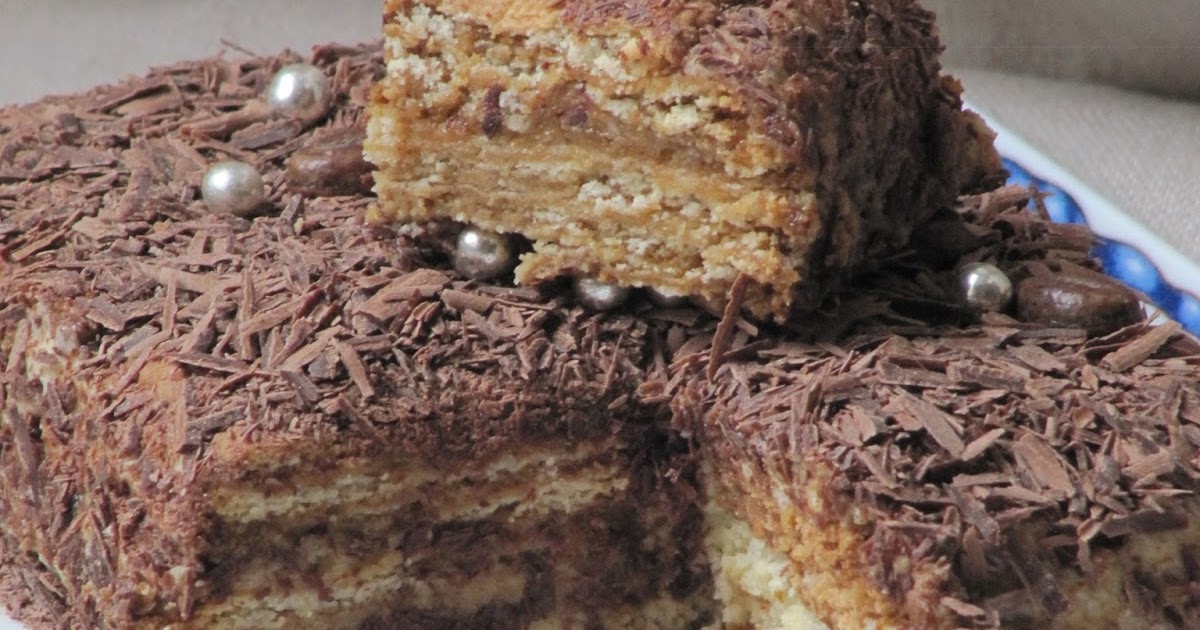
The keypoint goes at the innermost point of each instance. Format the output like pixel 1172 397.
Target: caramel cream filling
pixel 537 482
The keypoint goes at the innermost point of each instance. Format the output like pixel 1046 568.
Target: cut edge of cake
pixel 675 145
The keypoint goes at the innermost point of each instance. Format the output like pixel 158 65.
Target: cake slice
pixel 208 422
pixel 930 472
pixel 675 144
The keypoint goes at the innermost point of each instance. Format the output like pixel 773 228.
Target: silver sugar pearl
pixel 300 90
pixel 483 254
pixel 662 300
pixel 233 187
pixel 985 287
pixel 600 296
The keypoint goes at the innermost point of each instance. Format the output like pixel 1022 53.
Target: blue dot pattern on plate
pixel 1120 260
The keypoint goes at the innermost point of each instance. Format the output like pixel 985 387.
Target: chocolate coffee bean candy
pixel 1078 299
pixel 331 165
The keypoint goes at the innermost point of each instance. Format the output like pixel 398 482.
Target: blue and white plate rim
pixel 1128 250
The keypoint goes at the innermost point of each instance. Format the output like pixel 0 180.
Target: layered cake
pixel 295 421
pixel 299 418
pixel 675 144
pixel 921 473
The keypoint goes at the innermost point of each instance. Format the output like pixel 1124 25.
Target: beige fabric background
pixel 1141 151
pixel 1152 45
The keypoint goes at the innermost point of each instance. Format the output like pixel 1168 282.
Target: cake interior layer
pixel 555 535
pixel 535 479
pixel 818 575
pixel 609 167
pixel 804 560
pixel 454 61
pixel 604 209
pixel 752 580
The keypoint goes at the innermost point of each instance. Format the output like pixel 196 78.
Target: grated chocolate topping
pixel 1002 448
pixel 1006 450
pixel 205 345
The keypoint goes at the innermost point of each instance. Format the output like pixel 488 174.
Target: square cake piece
pixel 1000 474
pixel 299 420
pixel 214 423
pixel 675 144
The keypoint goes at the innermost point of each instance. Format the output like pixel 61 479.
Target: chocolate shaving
pixel 209 362
pixel 37 245
pixel 266 320
pixel 1043 464
pixel 724 334
pixel 876 468
pixel 309 353
pixel 223 126
pixel 97 229
pixel 144 352
pixel 975 513
pixel 981 444
pixel 346 408
pixel 1141 348
pixel 106 314
pixel 27 454
pixel 1151 466
pixel 1010 378
pixel 462 300
pixel 892 374
pixel 259 135
pixel 354 366
pixel 1038 359
pixel 1143 522
pixel 187 281
pixel 20 340
pixel 206 425
pixel 138 89
pixel 304 387
pixel 941 426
